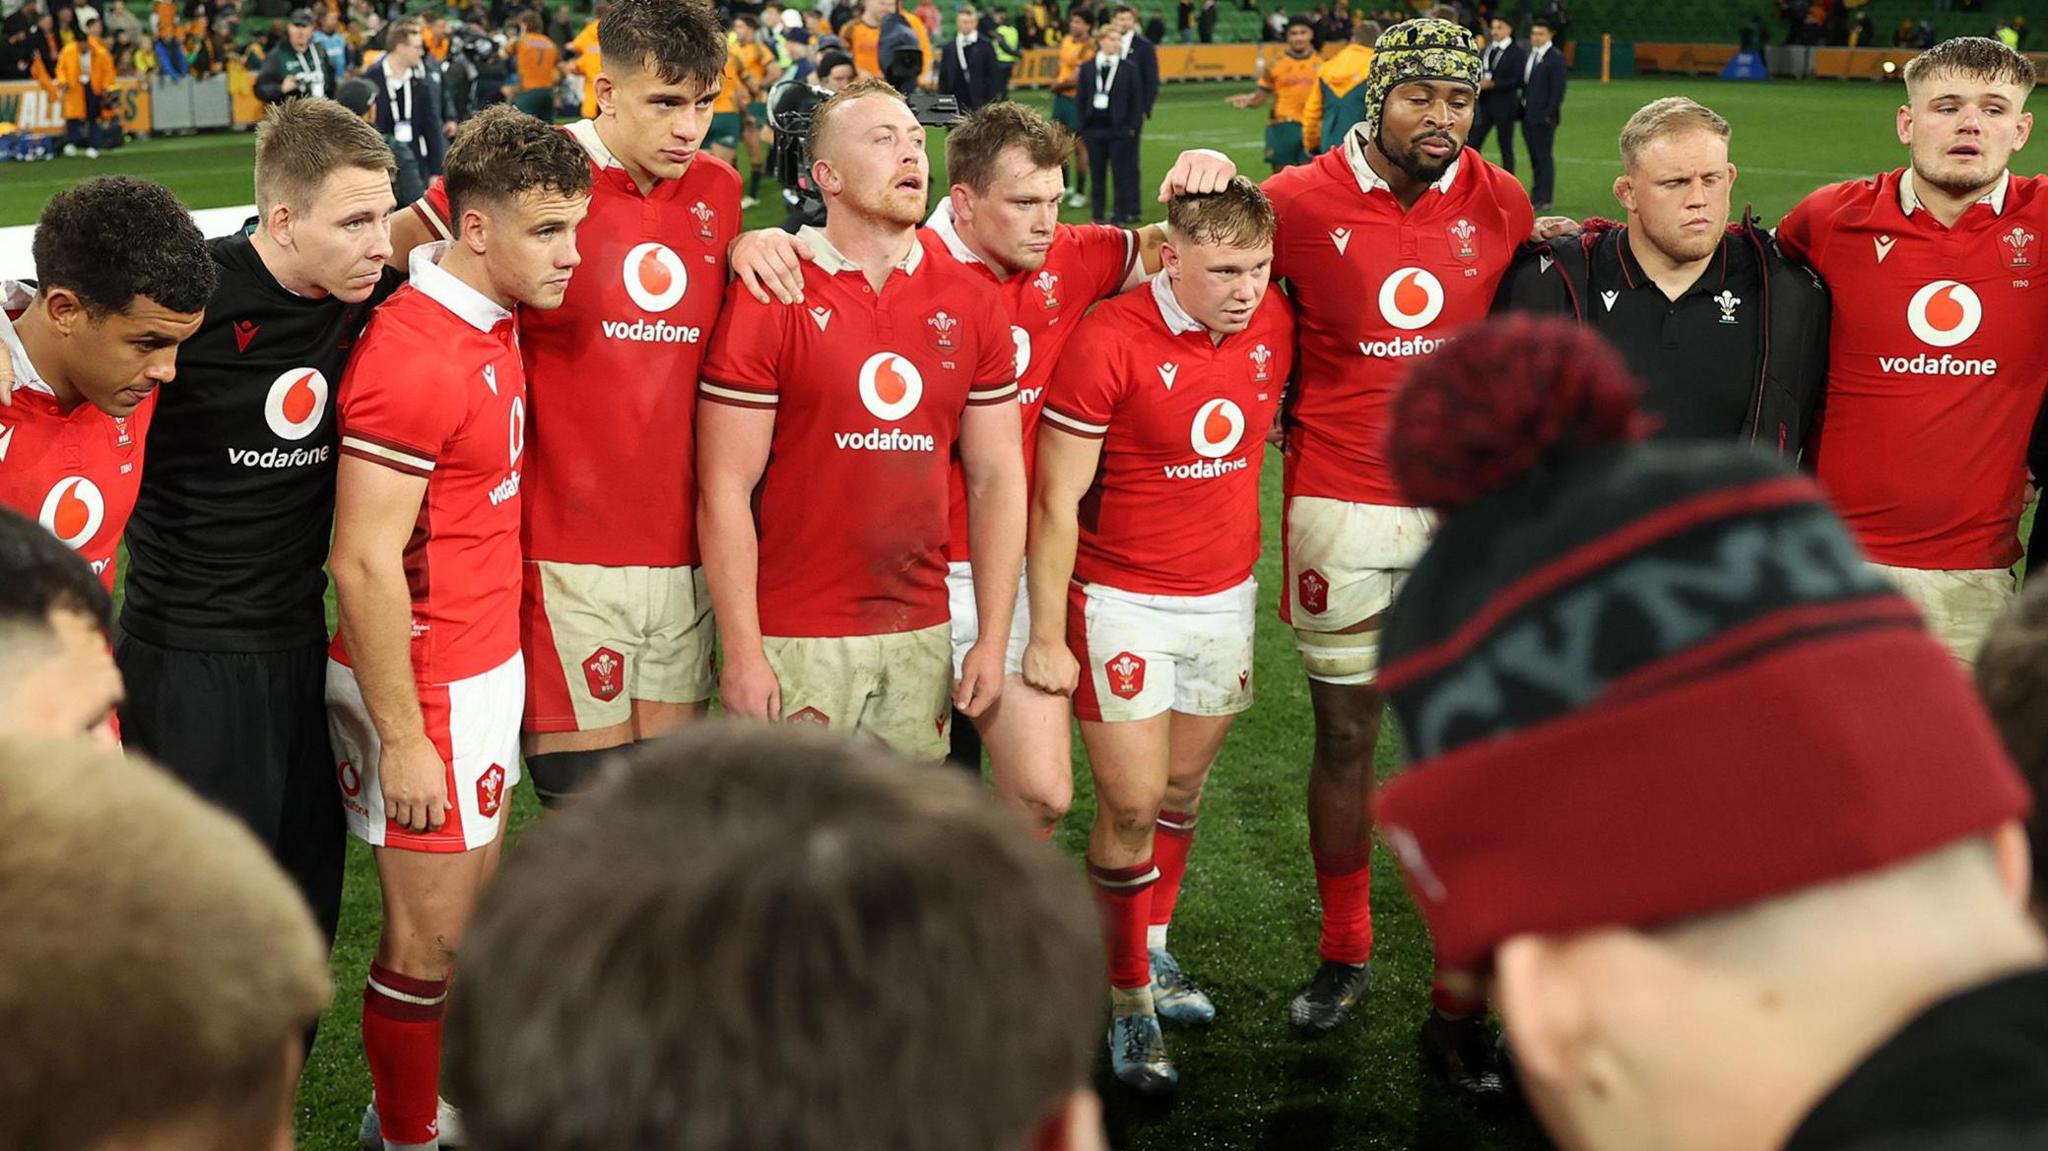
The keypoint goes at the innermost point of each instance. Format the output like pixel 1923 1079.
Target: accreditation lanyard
pixel 1107 80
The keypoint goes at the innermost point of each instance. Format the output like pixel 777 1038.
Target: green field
pixel 1247 923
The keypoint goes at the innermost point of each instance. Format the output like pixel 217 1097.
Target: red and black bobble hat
pixel 1644 682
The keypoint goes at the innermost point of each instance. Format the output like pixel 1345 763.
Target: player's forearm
pixel 375 606
pixel 732 567
pixel 995 533
pixel 1054 534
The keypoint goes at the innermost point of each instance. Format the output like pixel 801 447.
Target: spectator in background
pixel 85 78
pixel 1695 942
pixel 57 673
pixel 928 14
pixel 1003 37
pixel 130 61
pixel 149 1005
pixel 409 110
pixel 1111 98
pixel 169 53
pixel 1184 21
pixel 720 892
pixel 206 51
pixel 17 39
pixel 329 39
pixel 1543 84
pixel 1205 24
pixel 562 27
pixel 1502 65
pixel 121 18
pixel 1155 28
pixel 295 69
pixel 968 71
pixel 1275 27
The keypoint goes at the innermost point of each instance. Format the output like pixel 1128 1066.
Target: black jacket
pixel 1543 91
pixel 1126 112
pixel 1970 1074
pixel 283 62
pixel 1145 55
pixel 1791 369
pixel 428 143
pixel 1503 101
pixel 979 82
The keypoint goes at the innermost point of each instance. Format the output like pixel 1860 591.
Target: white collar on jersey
pixel 941 223
pixel 1368 180
pixel 469 305
pixel 14 297
pixel 584 132
pixel 1177 319
pixel 1909 199
pixel 833 261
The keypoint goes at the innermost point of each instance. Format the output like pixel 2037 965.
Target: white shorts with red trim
pixel 474 724
pixel 967 620
pixel 1144 655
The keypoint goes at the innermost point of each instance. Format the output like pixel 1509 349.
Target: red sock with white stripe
pixel 1172 838
pixel 1124 895
pixel 1344 881
pixel 402 1019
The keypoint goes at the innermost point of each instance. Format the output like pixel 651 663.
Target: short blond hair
pixel 302 142
pixel 1669 116
pixel 156 966
pixel 1239 216
pixel 1979 57
pixel 821 120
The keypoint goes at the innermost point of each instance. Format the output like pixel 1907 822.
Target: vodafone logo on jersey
pixel 890 386
pixel 517 428
pixel 295 403
pixel 1411 299
pixel 1022 339
pixel 654 277
pixel 1218 426
pixel 1944 313
pixel 73 511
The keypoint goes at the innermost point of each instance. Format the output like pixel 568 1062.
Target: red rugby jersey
pixel 1936 365
pixel 867 389
pixel 611 375
pixel 1086 263
pixel 1174 509
pixel 436 389
pixel 1374 286
pixel 75 472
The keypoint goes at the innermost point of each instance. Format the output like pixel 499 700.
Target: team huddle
pixel 591 456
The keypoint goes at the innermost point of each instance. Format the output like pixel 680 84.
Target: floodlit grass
pixel 1247 923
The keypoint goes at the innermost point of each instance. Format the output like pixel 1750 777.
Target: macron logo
pixel 6 441
pixel 822 316
pixel 491 377
pixel 1883 244
pixel 1340 237
pixel 1167 372
pixel 1543 265
pixel 1608 298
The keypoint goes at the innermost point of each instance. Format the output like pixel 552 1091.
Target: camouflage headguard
pixel 1418 50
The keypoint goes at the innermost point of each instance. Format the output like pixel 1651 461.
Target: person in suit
pixel 1500 91
pixel 1111 96
pixel 409 110
pixel 1543 80
pixel 968 69
pixel 1142 55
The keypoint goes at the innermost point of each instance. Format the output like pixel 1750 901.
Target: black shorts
pixel 248 731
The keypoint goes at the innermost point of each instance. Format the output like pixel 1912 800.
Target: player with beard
pixel 616 619
pixel 1388 242
pixel 224 627
pixel 825 435
pixel 1938 368
pixel 1729 336
pixel 424 680
pixel 1000 221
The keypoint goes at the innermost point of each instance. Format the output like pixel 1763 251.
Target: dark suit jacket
pixel 1126 112
pixel 979 82
pixel 428 143
pixel 1503 101
pixel 1543 98
pixel 1145 55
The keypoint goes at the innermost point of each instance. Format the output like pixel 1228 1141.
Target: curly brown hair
pixel 503 154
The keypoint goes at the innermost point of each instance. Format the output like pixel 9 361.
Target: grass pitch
pixel 1247 922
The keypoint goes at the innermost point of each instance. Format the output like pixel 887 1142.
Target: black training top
pixel 229 538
